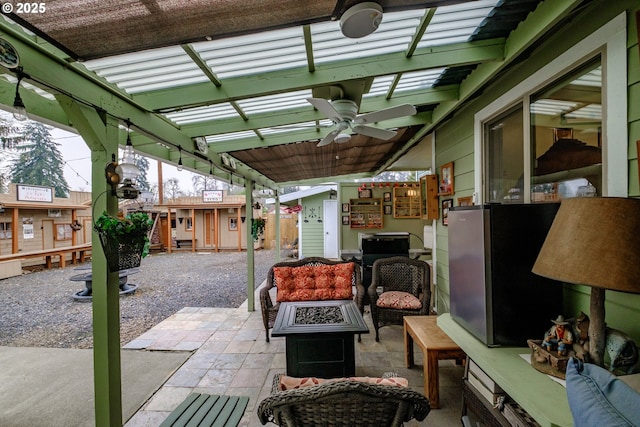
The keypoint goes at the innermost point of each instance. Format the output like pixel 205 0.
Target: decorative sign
pixel 54 213
pixel 211 196
pixel 27 228
pixel 34 193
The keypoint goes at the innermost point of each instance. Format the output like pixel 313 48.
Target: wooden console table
pixel 544 399
pixel 435 345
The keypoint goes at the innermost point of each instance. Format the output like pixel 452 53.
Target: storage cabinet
pixel 429 195
pixel 406 202
pixel 365 213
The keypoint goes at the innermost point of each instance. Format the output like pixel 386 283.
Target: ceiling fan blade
pixel 374 132
pixel 325 108
pixel 386 114
pixel 329 138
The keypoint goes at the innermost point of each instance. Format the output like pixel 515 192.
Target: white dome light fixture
pixel 342 138
pixel 361 20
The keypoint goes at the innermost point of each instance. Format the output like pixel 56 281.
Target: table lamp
pixel 593 242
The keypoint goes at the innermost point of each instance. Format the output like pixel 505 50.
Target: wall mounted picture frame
pixel 387 209
pixel 233 224
pixel 386 196
pixel 446 180
pixel 345 220
pixel 364 193
pixel 465 201
pixel 345 207
pixel 446 205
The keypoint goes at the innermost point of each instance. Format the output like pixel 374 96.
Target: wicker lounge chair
pixel 270 310
pixel 344 403
pixel 399 274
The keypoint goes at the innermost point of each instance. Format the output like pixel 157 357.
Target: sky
pixel 77 169
pixel 77 157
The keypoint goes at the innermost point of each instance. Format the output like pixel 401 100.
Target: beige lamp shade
pixel 594 242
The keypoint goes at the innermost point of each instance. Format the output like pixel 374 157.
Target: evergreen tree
pixel 40 162
pixel 9 138
pixel 142 182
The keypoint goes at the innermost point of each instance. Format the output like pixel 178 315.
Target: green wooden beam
pixel 101 133
pixel 300 78
pixel 309 114
pixel 65 79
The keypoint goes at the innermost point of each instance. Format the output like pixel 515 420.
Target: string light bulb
pixel 179 167
pixel 19 110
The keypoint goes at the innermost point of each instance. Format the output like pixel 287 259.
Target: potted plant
pixel 125 241
pixel 257 228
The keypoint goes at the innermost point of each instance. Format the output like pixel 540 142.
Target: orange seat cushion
pixel 314 283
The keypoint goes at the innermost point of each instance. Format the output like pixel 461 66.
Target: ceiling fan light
pixel 342 138
pixel 361 20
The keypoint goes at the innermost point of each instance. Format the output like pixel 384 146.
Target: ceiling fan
pixel 344 114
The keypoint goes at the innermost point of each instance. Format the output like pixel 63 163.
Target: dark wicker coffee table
pixel 320 337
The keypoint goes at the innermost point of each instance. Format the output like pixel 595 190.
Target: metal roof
pixel 238 73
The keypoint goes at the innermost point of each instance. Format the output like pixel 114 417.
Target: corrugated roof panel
pixel 155 69
pixel 199 114
pixel 280 101
pixel 254 53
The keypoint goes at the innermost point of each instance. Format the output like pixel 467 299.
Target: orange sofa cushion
pixel 314 283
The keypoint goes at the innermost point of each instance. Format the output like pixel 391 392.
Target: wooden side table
pixel 435 345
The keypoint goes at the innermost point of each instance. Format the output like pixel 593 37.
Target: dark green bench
pixel 208 410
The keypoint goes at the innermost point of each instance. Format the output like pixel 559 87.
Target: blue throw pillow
pixel 598 398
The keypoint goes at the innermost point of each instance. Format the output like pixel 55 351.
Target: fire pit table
pixel 319 337
pixel 85 294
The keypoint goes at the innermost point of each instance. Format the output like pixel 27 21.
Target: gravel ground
pixel 38 310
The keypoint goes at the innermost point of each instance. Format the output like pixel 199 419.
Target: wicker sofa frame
pixel 343 403
pixel 270 309
pixel 399 274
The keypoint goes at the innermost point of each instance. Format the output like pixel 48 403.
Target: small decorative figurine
pixel 558 337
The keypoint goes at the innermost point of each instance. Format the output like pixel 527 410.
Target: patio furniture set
pixel 316 310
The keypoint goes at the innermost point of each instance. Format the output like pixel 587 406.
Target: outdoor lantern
pixel 122 177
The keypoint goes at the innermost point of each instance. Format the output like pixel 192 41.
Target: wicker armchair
pixel 270 310
pixel 344 403
pixel 399 274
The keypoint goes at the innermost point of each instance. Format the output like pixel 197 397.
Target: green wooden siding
pixel 454 143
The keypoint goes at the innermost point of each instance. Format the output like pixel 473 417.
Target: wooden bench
pixel 185 243
pixel 208 410
pixel 435 345
pixel 78 253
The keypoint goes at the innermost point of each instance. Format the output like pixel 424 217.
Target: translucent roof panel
pixel 230 136
pixel 455 24
pixel 551 107
pixel 199 114
pixel 281 101
pixel 153 69
pixel 255 53
pixel 394 35
pixel 408 81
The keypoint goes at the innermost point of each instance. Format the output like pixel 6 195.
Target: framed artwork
pixel 446 179
pixel 465 201
pixel 345 207
pixel 345 220
pixel 233 224
pixel 446 205
pixel 365 193
pixel 387 197
pixel 387 209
